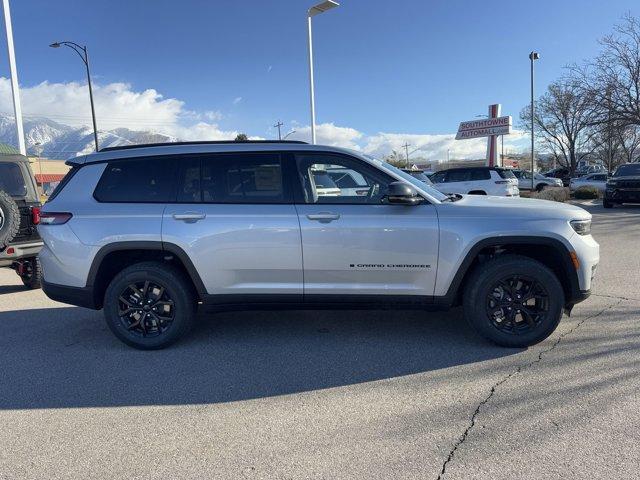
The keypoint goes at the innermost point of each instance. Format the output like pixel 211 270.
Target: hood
pixel 513 208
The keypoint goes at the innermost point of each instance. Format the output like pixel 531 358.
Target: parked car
pixel 562 173
pixel 596 180
pixel 19 215
pixel 324 184
pixel 477 181
pixel 348 181
pixel 419 174
pixel 125 233
pixel 623 186
pixel 540 182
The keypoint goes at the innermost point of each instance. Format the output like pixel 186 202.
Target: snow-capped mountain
pixel 60 141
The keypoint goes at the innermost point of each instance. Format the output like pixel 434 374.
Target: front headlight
pixel 582 227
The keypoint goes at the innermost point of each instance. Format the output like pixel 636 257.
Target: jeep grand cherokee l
pixel 151 233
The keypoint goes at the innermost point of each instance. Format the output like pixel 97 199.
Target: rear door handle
pixel 323 217
pixel 189 217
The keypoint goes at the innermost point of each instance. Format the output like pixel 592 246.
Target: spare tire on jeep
pixel 9 219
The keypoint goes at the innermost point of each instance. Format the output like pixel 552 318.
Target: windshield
pixel 11 179
pixel 408 178
pixel 627 170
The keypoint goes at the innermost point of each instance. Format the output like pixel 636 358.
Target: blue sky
pixel 403 67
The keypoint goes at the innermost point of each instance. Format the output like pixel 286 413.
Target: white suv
pixel 151 233
pixel 477 181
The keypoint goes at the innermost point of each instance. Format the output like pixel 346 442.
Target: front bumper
pixel 18 251
pixel 622 195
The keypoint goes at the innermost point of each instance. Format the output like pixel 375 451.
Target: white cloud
pixel 117 105
pixel 237 100
pixel 330 134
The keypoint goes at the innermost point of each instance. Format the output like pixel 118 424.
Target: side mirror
pixel 401 193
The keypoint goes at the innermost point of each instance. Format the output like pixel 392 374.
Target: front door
pixel 236 220
pixel 354 243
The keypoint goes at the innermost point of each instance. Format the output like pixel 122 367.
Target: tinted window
pixel 11 179
pixel 242 178
pixel 344 178
pixel 504 173
pixel 600 177
pixel 480 174
pixel 146 180
pixel 458 176
pixel 628 169
pixel 438 177
pixel 313 173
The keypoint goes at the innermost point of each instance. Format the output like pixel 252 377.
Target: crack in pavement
pixel 519 369
pixel 604 295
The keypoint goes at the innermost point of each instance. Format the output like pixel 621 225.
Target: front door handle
pixel 189 217
pixel 323 217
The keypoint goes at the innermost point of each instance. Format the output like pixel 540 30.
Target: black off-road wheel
pixel 513 301
pixel 9 219
pixel 150 305
pixel 606 203
pixel 31 273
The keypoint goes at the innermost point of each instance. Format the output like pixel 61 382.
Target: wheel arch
pixel 551 252
pixel 112 258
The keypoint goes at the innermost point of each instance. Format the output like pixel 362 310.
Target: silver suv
pixel 152 233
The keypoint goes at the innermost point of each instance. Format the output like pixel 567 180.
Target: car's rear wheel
pixel 31 273
pixel 150 305
pixel 606 203
pixel 513 301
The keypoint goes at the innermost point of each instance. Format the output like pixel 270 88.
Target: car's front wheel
pixel 513 301
pixel 150 305
pixel 606 203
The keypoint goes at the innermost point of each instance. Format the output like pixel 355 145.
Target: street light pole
pixel 313 11
pixel 84 56
pixel 533 56
pixel 15 88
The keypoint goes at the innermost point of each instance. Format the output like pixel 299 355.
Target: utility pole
pixel 278 125
pixel 15 89
pixel 406 149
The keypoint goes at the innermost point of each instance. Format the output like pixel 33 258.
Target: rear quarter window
pixel 505 173
pixel 147 180
pixel 11 179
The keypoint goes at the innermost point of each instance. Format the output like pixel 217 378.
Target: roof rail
pixel 205 142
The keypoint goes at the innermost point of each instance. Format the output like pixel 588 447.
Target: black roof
pixel 206 142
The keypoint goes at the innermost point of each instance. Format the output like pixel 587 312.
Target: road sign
pixel 484 128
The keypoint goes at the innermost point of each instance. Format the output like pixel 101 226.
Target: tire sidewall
pixel 10 223
pixel 177 290
pixel 475 310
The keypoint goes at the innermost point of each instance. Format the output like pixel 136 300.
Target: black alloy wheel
pixel 146 309
pixel 517 304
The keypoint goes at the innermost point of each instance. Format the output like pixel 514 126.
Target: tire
pixel 32 277
pixel 153 330
pixel 606 203
pixel 9 219
pixel 507 327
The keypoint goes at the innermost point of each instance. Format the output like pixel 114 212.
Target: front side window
pixel 327 178
pixel 143 180
pixel 11 179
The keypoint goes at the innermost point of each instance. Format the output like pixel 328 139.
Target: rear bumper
pixel 78 296
pixel 20 250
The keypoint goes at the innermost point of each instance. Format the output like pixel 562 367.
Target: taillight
pixel 35 215
pixel 54 218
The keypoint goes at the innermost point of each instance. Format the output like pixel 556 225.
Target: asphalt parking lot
pixel 291 395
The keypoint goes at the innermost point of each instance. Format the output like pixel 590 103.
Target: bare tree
pixel 629 138
pixel 612 80
pixel 563 121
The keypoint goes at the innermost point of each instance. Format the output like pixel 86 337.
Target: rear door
pixel 355 244
pixel 235 219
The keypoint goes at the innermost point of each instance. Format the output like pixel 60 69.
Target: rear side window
pixel 438 177
pixel 243 178
pixel 480 174
pixel 12 180
pixel 458 176
pixel 145 180
pixel 504 173
pixel 67 178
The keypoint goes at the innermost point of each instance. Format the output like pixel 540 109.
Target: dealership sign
pixel 484 128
